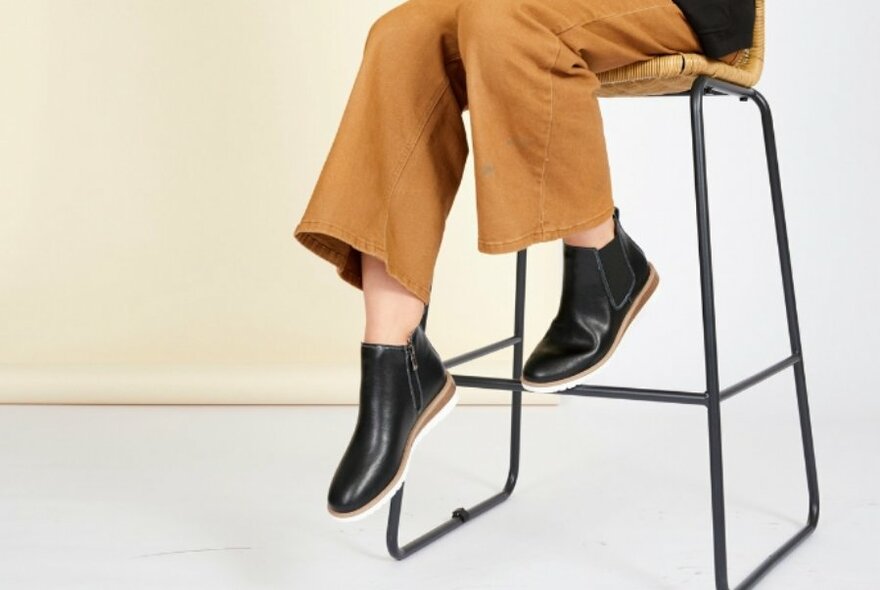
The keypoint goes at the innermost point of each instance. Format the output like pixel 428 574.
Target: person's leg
pixel 378 213
pixel 593 237
pixel 396 163
pixel 540 155
pixel 602 234
pixel 542 169
pixel 392 311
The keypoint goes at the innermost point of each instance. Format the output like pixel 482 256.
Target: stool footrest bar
pixel 760 376
pixel 482 351
pixel 656 395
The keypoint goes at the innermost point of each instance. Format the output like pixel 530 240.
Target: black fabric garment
pixel 723 26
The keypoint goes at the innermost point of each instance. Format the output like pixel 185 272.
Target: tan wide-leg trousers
pixel 526 71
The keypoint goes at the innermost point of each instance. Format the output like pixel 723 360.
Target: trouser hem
pixel 337 244
pixel 543 235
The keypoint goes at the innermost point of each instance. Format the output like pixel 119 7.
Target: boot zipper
pixel 412 355
pixel 419 402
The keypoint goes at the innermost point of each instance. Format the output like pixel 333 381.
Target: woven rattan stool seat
pixel 667 74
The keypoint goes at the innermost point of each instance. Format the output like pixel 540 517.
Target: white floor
pixel 611 494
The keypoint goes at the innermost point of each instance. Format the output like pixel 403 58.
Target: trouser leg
pixel 396 162
pixel 540 158
pixel 526 70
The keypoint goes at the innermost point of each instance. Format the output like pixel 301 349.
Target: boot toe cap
pixel 542 370
pixel 546 365
pixel 353 488
pixel 343 498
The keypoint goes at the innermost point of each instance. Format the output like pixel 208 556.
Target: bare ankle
pixel 593 237
pixel 392 311
pixel 388 334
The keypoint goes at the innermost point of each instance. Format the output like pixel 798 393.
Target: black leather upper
pixel 397 383
pixel 723 26
pixel 598 287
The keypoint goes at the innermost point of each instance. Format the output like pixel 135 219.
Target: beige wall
pixel 154 158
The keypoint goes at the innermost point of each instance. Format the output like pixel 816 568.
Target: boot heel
pixel 647 291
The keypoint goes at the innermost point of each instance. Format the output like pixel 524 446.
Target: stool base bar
pixel 711 398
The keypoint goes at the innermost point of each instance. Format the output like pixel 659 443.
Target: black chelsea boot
pixel 404 391
pixel 602 291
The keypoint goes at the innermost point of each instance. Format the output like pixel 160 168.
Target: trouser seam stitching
pixel 549 131
pixel 610 16
pixel 411 149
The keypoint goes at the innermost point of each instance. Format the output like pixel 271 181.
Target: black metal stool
pixel 711 398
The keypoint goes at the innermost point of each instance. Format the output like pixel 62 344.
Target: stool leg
pixel 461 515
pixel 790 307
pixel 714 396
pixel 516 400
pixel 709 334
